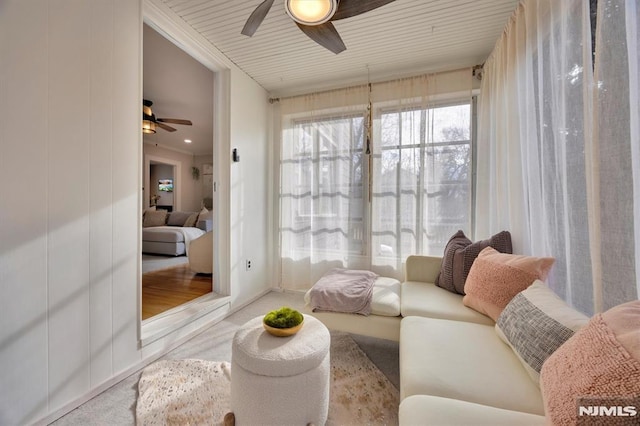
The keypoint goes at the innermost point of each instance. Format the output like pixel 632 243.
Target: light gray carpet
pixel 197 392
pixel 117 405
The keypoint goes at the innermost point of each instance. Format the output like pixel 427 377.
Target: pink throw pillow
pixel 495 278
pixel 598 367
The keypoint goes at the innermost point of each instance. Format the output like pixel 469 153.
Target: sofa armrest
pixel 205 224
pixel 422 268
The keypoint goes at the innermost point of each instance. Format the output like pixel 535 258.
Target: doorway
pixel 177 150
pixel 218 301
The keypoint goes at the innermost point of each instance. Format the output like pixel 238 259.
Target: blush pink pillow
pixel 598 366
pixel 495 278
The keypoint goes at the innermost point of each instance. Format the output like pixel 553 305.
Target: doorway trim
pixel 217 304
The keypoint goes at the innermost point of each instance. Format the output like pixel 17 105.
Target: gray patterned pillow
pixel 459 255
pixel 535 323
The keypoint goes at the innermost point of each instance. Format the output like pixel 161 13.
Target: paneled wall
pixel 70 177
pixel 69 158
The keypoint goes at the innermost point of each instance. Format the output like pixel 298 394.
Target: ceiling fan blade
pixel 349 8
pixel 256 18
pixel 165 127
pixel 175 121
pixel 325 35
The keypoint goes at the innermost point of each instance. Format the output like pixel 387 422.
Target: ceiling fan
pixel 314 18
pixel 149 120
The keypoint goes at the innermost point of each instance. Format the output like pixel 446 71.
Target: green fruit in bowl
pixel 284 317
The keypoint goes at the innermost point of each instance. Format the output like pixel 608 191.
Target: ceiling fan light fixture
pixel 148 127
pixel 311 12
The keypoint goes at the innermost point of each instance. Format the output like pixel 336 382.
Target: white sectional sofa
pixel 537 365
pixel 454 369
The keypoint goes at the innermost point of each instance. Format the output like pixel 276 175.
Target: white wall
pixel 249 190
pixel 69 155
pixel 70 166
pixel 191 191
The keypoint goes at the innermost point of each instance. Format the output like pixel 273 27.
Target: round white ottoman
pixel 280 380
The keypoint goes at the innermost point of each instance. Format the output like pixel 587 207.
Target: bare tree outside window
pixel 423 194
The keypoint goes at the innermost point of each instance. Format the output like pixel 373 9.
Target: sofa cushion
pixel 599 365
pixel 459 255
pixel 435 410
pixel 535 323
pixel 495 278
pixel 154 218
pixel 162 234
pixel 465 361
pixel 427 300
pixel 178 218
pixel 385 299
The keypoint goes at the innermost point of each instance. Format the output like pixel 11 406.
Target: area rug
pixel 197 392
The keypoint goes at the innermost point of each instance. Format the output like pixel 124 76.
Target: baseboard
pixel 248 302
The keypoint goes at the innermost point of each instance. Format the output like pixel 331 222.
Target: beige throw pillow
pixel 154 218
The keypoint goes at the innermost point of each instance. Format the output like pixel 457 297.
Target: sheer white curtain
pixel 532 129
pixel 558 152
pixel 364 194
pixel 422 166
pixel 616 154
pixel 322 185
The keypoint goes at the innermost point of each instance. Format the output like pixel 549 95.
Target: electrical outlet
pixel 247 265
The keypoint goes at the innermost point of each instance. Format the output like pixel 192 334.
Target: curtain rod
pixel 476 71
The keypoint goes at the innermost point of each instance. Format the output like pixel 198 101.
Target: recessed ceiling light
pixel 187 141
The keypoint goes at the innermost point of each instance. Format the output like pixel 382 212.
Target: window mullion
pixel 420 184
pixel 399 188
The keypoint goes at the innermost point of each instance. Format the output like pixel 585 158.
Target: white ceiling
pixel 403 38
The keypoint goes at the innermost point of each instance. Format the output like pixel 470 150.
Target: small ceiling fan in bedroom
pixel 150 122
pixel 314 18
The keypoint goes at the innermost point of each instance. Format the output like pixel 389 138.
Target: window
pixel 421 184
pixel 324 172
pixel 422 192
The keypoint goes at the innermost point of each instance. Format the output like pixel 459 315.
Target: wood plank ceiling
pixel 407 37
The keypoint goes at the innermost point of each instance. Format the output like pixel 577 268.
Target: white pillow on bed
pixel 385 300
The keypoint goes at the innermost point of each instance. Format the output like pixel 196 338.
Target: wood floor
pixel 167 288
